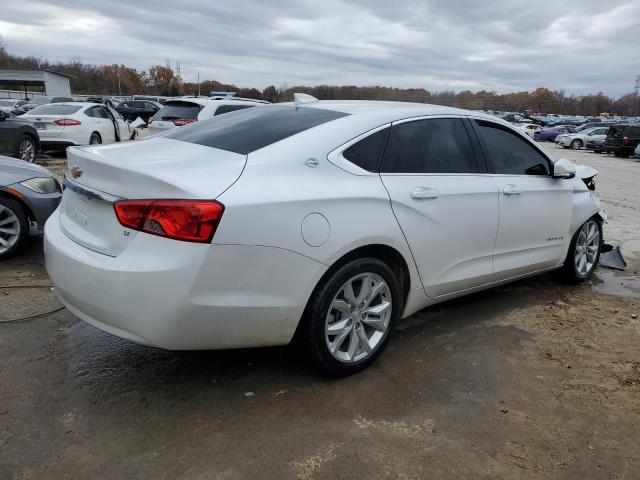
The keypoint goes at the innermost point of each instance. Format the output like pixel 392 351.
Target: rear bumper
pixel 183 296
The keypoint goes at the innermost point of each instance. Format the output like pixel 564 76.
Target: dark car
pixel 132 109
pixel 622 139
pixel 597 146
pixel 18 138
pixel 550 134
pixel 28 195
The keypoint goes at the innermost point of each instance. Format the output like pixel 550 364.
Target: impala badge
pixel 76 172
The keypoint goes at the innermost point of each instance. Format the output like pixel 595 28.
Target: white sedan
pixel 578 140
pixel 529 128
pixel 77 123
pixel 328 220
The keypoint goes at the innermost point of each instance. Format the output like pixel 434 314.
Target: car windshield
pixel 178 110
pixel 7 103
pixel 55 109
pixel 245 131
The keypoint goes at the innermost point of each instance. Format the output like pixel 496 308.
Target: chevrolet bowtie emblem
pixel 76 172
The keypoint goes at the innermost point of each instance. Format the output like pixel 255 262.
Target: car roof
pixel 394 110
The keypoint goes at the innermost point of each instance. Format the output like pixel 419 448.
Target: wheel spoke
pixel 7 220
pixel 11 231
pixel 363 340
pixel 375 290
pixel 365 289
pixel 353 345
pixel 379 309
pixel 349 296
pixel 338 327
pixel 376 323
pixel 339 340
pixel 4 242
pixel 341 306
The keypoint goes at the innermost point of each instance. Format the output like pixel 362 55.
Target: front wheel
pixel 27 149
pixel 584 253
pixel 349 318
pixel 576 144
pixel 14 227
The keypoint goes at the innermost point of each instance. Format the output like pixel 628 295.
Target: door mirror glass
pixel 563 168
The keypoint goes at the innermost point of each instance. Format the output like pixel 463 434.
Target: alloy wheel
pixel 9 229
pixel 358 318
pixel 576 145
pixel 587 246
pixel 27 151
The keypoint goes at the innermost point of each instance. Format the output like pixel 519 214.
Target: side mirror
pixel 563 168
pixel 3 116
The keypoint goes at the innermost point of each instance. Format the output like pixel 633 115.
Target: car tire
pixel 576 144
pixel 329 349
pixel 582 249
pixel 27 149
pixel 14 227
pixel 95 139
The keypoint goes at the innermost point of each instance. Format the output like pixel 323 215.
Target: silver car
pixel 28 195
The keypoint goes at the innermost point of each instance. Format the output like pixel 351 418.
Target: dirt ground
pixel 530 380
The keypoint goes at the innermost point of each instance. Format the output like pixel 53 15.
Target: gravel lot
pixel 530 380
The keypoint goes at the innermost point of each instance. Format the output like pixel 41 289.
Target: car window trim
pixel 337 158
pixel 479 162
pixel 524 137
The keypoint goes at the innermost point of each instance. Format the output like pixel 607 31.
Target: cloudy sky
pixel 580 46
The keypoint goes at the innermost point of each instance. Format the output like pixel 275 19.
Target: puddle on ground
pixel 608 282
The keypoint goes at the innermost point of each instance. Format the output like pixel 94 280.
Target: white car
pixel 529 128
pixel 77 123
pixel 576 141
pixel 183 111
pixel 329 220
pixel 11 105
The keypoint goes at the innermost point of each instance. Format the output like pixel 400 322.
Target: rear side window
pixel 439 145
pixel 509 154
pixel 178 110
pixel 230 108
pixel 96 112
pixel 56 110
pixel 616 131
pixel 367 152
pixel 633 131
pixel 251 129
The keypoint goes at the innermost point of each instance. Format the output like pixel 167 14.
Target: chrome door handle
pixel 424 193
pixel 511 189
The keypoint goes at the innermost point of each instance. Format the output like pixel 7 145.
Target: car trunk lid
pixel 156 168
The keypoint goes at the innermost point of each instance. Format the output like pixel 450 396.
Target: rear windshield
pixel 176 110
pixel 616 131
pixel 55 110
pixel 248 130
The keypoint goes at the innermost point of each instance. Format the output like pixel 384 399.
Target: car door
pixel 6 135
pixel 103 124
pixel 445 204
pixel 535 209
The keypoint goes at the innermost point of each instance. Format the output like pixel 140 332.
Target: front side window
pixel 508 153
pixel 366 153
pixel 439 145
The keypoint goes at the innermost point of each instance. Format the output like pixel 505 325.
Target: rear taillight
pixel 178 122
pixel 151 119
pixel 625 140
pixel 187 220
pixel 66 122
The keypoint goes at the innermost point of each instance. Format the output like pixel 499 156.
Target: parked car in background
pixel 622 139
pixel 80 123
pixel 18 138
pixel 550 134
pixel 578 140
pixel 28 195
pixel 11 105
pixel 132 109
pixel 185 110
pixel 597 146
pixel 42 100
pixel 589 125
pixel 529 128
pixel 202 219
pixel 160 100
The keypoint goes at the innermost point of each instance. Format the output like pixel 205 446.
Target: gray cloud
pixel 580 46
